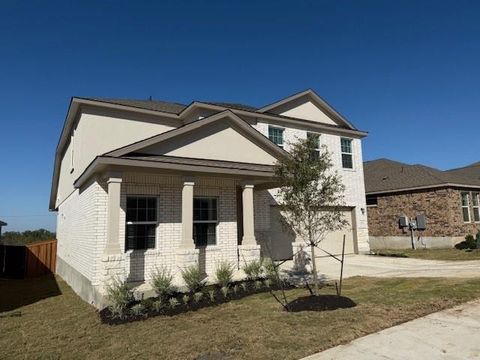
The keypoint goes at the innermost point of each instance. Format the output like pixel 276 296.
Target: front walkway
pixel 380 266
pixel 448 334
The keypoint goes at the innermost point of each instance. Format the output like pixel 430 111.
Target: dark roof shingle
pixel 384 175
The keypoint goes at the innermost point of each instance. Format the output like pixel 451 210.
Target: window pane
pixel 347 161
pixel 276 135
pixel 475 199
pixel 465 199
pixel 466 215
pixel 346 145
pixel 316 138
pixel 204 209
pixel 476 214
pixel 140 237
pixel 204 234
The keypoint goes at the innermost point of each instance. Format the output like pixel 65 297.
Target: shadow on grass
pixel 17 293
pixel 321 303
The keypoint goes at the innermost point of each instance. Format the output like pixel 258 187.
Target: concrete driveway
pixel 380 266
pixel 449 334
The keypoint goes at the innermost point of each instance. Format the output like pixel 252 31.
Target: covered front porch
pixel 163 219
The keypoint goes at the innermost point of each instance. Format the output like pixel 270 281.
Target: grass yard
pixel 52 322
pixel 432 254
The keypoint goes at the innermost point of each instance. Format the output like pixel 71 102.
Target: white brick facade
pixel 352 179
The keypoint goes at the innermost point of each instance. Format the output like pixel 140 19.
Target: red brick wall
pixel 442 208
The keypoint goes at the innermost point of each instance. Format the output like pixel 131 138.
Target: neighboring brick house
pixel 449 200
pixel 140 184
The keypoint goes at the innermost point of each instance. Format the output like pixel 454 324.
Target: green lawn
pixel 432 254
pixel 46 321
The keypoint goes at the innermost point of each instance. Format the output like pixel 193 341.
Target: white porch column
pixel 249 250
pixel 113 260
pixel 187 215
pixel 187 254
pixel 248 218
pixel 114 184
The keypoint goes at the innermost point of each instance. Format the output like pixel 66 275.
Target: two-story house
pixel 140 184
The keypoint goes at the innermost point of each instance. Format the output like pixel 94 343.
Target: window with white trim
pixel 205 221
pixel 347 154
pixel 141 222
pixel 316 139
pixel 275 134
pixel 466 206
pixel 476 206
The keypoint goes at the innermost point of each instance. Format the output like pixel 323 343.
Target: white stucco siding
pixel 97 134
pixel 217 141
pixel 308 111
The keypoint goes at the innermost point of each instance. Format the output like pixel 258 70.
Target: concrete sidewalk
pixel 448 334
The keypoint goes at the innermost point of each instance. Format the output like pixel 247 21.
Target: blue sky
pixel 406 71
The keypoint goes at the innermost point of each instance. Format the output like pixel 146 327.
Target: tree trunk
pixel 314 265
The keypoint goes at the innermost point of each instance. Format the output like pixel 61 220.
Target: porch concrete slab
pixel 379 266
pixel 448 334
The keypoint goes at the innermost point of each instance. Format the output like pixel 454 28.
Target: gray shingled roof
pixel 156 105
pixel 169 107
pixel 384 175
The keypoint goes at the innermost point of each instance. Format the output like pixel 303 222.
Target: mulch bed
pixel 320 303
pixel 108 318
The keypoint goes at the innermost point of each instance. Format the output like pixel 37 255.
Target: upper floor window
pixel 466 206
pixel 205 221
pixel 476 206
pixel 275 134
pixel 316 140
pixel 347 154
pixel 141 221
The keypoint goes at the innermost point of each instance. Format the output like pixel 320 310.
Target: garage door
pixel 333 241
pixel 281 240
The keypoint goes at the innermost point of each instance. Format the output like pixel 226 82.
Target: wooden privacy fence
pixel 40 258
pixel 27 261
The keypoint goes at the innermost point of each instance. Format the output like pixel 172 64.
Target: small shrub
pixel 258 284
pixel 211 294
pixel 253 269
pixel 193 278
pixel 235 289
pixel 147 303
pixel 470 242
pixel 185 299
pixel 197 297
pixel 137 309
pixel 267 283
pixel 244 286
pixel 224 291
pixel 162 282
pixel 119 294
pixel 269 269
pixel 224 273
pixel 157 306
pixel 173 302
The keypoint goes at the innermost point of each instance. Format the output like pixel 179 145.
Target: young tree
pixel 310 195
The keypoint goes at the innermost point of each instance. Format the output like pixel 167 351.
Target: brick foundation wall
pixel 442 208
